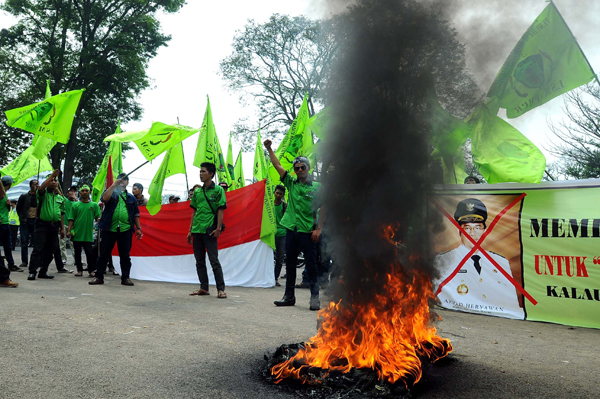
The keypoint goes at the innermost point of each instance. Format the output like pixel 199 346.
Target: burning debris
pixel 375 347
pixel 376 333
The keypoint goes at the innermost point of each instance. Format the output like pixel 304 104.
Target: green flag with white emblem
pixel 545 63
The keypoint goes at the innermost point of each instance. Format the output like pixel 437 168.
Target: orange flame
pixel 390 334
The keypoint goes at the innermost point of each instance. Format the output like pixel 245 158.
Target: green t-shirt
pixel 205 217
pixel 83 215
pixel 52 206
pixel 301 209
pixel 120 218
pixel 68 205
pixel 4 211
pixel 278 217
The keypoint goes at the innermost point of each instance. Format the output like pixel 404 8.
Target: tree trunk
pixel 69 169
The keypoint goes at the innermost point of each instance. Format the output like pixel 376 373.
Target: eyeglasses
pixel 301 167
pixel 469 229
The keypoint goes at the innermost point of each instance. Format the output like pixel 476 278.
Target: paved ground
pixel 66 339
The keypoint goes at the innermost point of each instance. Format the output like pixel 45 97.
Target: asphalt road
pixel 65 339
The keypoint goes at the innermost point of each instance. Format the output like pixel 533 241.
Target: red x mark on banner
pixel 477 246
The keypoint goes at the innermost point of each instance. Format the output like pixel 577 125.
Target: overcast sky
pixel 187 70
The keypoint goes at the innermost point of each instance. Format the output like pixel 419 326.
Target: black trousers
pixel 90 256
pixel 204 243
pixel 27 233
pixel 294 243
pixel 123 240
pixel 279 255
pixel 14 232
pixel 7 246
pixel 45 242
pixel 57 258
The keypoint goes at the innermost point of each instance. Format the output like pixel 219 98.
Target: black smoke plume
pixel 393 55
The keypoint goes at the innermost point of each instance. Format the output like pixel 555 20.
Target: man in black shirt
pixel 26 209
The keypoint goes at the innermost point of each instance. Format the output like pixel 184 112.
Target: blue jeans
pixel 27 229
pixel 294 243
pixel 6 244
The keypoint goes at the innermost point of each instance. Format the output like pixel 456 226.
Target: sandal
pixel 200 292
pixel 78 274
pixel 222 295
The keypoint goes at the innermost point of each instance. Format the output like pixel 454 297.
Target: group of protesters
pixel 50 218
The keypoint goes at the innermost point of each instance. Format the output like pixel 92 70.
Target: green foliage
pixel 103 46
pixel 274 64
pixel 577 141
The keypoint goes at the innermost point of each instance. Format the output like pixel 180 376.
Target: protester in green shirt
pixel 280 207
pixel 302 230
pixel 208 203
pixel 48 226
pixel 81 230
pixel 119 222
pixel 5 280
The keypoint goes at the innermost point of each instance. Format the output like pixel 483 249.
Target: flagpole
pixel 187 185
pixel 39 166
pixel 127 175
pixel 576 42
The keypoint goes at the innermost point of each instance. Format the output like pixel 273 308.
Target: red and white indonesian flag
pixel 163 254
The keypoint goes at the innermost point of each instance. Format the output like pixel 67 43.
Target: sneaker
pixel 64 271
pixel 31 277
pixel 9 283
pixel 14 268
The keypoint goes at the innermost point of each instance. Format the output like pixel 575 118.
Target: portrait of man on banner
pixel 475 275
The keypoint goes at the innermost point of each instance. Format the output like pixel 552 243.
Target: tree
pixel 578 137
pixel 275 64
pixel 103 46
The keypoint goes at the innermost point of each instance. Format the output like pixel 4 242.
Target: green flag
pixel 209 148
pixel 447 136
pixel 260 164
pixel 268 227
pixel 43 145
pixel 230 166
pixel 239 181
pixel 157 140
pixel 501 152
pixel 115 154
pixel 298 141
pixel 319 123
pixel 172 164
pixel 453 168
pixel 51 118
pixel 25 166
pixel 545 63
